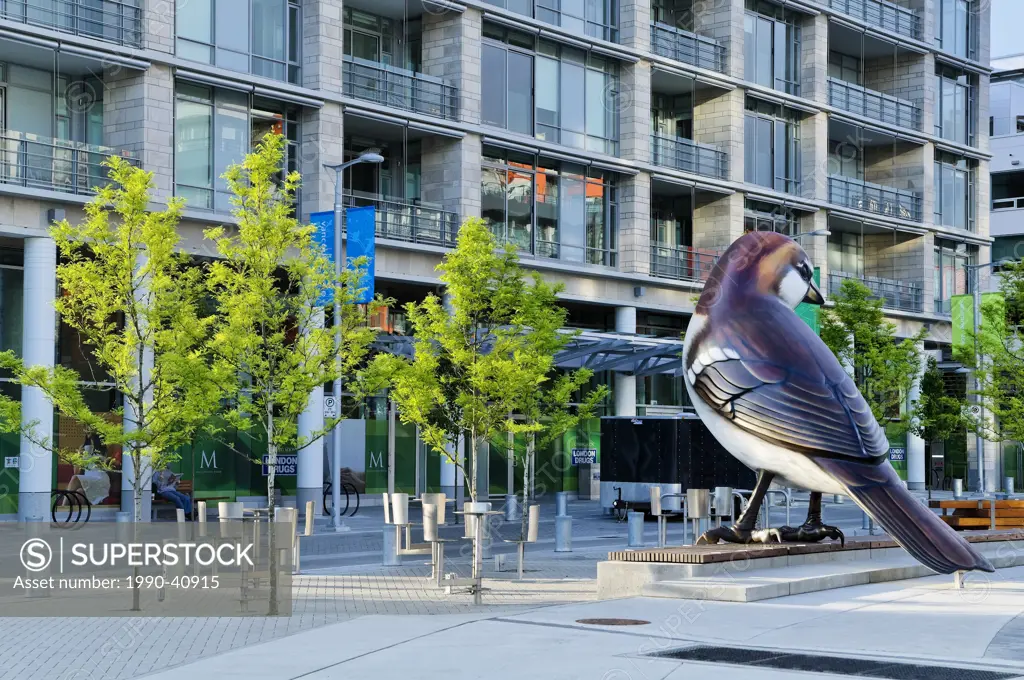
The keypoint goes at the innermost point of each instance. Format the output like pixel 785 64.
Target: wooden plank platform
pixel 974 505
pixel 732 552
pixel 961 522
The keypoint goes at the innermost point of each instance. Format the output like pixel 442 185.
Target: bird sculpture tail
pixel 880 493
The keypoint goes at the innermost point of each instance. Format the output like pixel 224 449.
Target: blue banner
pixel 361 242
pixel 324 237
pixel 361 229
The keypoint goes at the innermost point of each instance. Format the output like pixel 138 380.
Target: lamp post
pixel 339 264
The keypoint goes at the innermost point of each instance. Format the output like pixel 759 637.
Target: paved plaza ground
pixel 358 619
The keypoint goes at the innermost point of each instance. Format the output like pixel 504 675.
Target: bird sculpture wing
pixel 763 368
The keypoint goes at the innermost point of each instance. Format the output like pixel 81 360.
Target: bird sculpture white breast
pixel 776 397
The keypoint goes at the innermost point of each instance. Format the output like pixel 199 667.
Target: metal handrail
pixel 766 506
pixel 689 48
pixel 109 20
pixel 681 263
pixel 399 88
pixel 412 221
pixel 886 15
pixel 895 294
pixel 59 165
pixel 875 198
pixel 873 104
pixel 689 156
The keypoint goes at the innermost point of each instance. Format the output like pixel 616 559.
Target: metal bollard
pixel 635 535
pixel 992 513
pixel 391 539
pixel 838 499
pixel 561 504
pixel 958 488
pixel 563 533
pixel 1008 485
pixel 511 507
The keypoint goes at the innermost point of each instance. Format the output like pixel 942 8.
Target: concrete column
pixel 310 474
pixel 634 108
pixel 322 133
pixel 35 465
pixel 158 25
pixel 723 21
pixel 452 50
pixel 814 58
pixel 814 151
pixel 635 24
pixel 915 444
pixel 625 383
pixel 451 174
pixel 138 116
pixel 717 220
pixel 635 226
pixel 718 121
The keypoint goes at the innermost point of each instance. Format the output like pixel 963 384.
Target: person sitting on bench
pixel 167 487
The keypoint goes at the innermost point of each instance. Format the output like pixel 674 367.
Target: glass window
pixel 573 104
pixel 957 28
pixel 556 210
pixel 193 148
pixel 772 54
pixel 548 119
pixel 954 191
pixel 772 147
pixel 846 253
pixel 494 86
pixel 218 32
pixel 520 92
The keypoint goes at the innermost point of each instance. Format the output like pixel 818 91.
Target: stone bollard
pixel 1008 485
pixel 391 556
pixel 511 507
pixel 562 504
pixel 636 529
pixel 958 488
pixel 563 533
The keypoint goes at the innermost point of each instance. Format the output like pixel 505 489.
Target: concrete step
pixel 766 584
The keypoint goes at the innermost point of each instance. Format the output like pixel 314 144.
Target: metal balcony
pixel 116 22
pixel 874 198
pixel 873 105
pixel 58 165
pixel 681 262
pixel 689 156
pixel 689 48
pixel 399 88
pixel 405 220
pixel 895 294
pixel 881 14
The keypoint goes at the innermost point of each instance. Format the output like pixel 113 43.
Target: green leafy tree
pixel 884 367
pixel 466 376
pixel 133 300
pixel 937 415
pixel 1001 343
pixel 269 344
pixel 544 405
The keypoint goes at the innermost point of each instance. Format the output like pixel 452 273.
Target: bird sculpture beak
pixel 814 295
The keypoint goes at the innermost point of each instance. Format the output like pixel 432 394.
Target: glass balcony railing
pixel 399 88
pixel 874 105
pixel 689 156
pixel 405 220
pixel 874 198
pixel 682 262
pixel 117 22
pixel 43 163
pixel 881 14
pixel 901 295
pixel 689 48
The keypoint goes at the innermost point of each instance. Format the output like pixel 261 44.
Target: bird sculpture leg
pixel 743 530
pixel 813 529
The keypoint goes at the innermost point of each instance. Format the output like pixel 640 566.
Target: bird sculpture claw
pixel 737 534
pixel 811 533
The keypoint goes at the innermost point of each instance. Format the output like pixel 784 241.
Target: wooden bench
pixel 977 514
pixel 185 487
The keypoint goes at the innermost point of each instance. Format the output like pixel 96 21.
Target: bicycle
pixel 349 490
pixel 74 501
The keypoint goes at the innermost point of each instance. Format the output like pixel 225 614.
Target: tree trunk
pixel 136 459
pixel 472 462
pixel 271 541
pixel 524 508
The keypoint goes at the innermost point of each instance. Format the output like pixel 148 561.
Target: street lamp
pixel 339 264
pixel 816 232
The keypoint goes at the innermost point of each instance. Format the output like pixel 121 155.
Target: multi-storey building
pixel 620 144
pixel 1006 125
